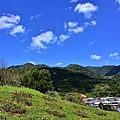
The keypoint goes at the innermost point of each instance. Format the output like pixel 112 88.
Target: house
pixel 108 102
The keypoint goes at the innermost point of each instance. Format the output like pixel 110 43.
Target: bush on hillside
pixel 74 97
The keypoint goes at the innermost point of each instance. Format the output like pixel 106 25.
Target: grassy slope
pixel 44 107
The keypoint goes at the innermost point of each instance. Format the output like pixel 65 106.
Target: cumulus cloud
pixel 18 29
pixel 86 8
pixel 9 21
pixel 95 57
pixel 40 41
pixel 118 1
pixel 71 1
pixel 63 37
pixel 92 23
pixel 72 27
pixel 72 24
pixel 76 30
pixel 114 55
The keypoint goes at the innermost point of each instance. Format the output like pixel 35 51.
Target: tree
pixel 8 77
pixel 37 79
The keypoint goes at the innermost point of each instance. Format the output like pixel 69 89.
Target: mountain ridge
pixel 106 70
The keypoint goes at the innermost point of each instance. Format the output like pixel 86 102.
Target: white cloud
pixel 118 1
pixel 91 43
pixel 95 57
pixel 72 24
pixel 9 21
pixel 76 30
pixel 114 55
pixel 65 26
pixel 23 40
pixel 63 37
pixel 36 16
pixel 71 1
pixel 58 64
pixel 86 24
pixel 40 41
pixel 24 50
pixel 73 27
pixel 92 23
pixel 18 29
pixel 32 62
pixel 86 9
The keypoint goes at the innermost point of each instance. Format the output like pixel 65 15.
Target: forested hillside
pixel 105 70
pixel 75 78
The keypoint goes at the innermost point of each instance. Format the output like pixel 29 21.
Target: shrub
pixel 74 97
pixel 53 94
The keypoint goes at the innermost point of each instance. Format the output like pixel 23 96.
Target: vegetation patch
pixel 82 114
pixel 3 117
pixel 13 107
pixel 75 107
pixel 36 117
pixel 50 99
pixel 56 113
pixel 54 105
pixel 17 104
pixel 74 97
pixel 22 97
pixel 100 113
pixel 45 107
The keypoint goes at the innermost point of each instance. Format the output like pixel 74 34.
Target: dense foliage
pixel 37 79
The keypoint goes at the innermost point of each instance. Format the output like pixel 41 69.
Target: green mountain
pixel 105 70
pixel 89 70
pixel 70 78
pixel 97 81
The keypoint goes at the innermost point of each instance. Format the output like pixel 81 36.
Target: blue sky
pixel 60 32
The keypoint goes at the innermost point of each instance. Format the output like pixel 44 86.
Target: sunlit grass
pixel 45 107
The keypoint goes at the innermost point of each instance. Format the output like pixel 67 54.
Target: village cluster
pixel 108 102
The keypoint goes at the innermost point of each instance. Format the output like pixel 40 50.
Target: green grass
pixel 45 107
